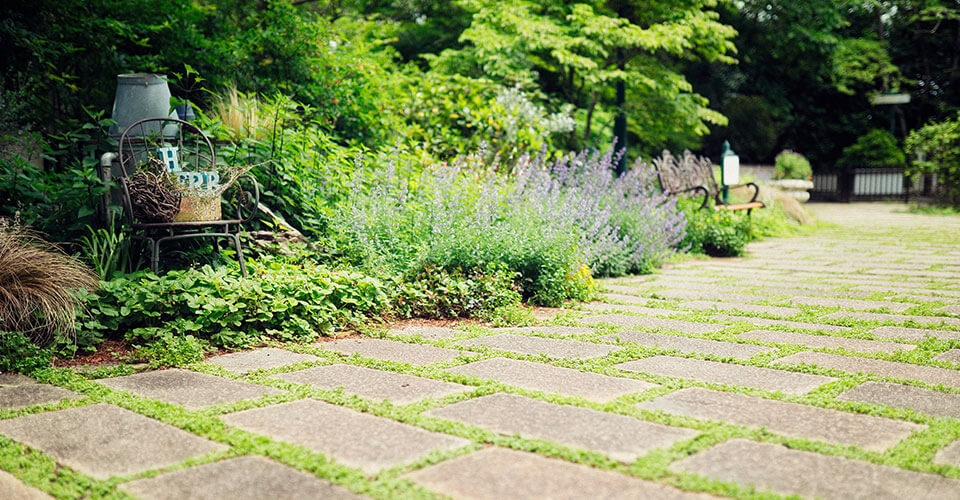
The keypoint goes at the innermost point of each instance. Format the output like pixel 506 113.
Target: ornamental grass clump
pixel 37 284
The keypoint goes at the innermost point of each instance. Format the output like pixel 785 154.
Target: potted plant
pixel 793 175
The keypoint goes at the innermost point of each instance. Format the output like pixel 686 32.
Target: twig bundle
pixel 150 197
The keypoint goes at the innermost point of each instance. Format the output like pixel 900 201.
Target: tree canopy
pixel 767 75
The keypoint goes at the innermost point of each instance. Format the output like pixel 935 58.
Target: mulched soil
pixel 110 352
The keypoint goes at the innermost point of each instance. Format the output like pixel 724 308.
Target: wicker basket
pixel 198 208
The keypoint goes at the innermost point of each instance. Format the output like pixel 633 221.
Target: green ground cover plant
pixel 284 301
pixel 170 350
pixel 19 354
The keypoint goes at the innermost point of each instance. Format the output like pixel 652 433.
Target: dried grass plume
pixel 36 283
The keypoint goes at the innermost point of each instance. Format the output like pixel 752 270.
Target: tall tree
pixel 573 52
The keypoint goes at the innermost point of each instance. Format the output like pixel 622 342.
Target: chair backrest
pixel 680 174
pixel 169 149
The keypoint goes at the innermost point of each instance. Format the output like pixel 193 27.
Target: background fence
pixel 869 184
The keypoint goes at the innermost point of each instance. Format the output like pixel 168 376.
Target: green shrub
pixel 170 350
pixel 936 150
pixel 451 114
pixel 791 165
pixel 876 148
pixel 19 354
pixel 282 300
pixel 715 233
pixel 438 293
pixel 60 198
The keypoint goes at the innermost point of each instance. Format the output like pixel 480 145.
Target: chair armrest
pixel 249 199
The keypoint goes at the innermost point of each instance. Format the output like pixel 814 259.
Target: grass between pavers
pixel 205 424
pixel 914 453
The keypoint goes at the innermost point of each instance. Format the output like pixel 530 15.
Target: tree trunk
pixel 586 131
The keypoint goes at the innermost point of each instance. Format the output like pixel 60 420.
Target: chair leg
pixel 154 255
pixel 243 265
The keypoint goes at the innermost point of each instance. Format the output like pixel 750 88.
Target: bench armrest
pixel 756 190
pixel 702 189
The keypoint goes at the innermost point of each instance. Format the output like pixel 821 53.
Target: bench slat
pixel 741 206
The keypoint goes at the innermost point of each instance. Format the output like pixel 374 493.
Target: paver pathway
pixel 826 365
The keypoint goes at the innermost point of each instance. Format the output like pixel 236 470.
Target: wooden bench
pixel 692 176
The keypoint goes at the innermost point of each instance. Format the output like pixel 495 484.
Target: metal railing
pixel 868 184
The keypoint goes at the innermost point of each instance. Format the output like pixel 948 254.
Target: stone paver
pixel 260 359
pixel 724 373
pixel 391 350
pixel 554 348
pixel 707 295
pixel 190 389
pixel 241 478
pixel 624 289
pixel 903 289
pixel 643 322
pixel 950 455
pixel 553 379
pixel 13 397
pixel 899 318
pixel 811 292
pixel 825 341
pixel 929 374
pixel 955 310
pixel 621 437
pixel 704 305
pixel 782 417
pixel 799 325
pixel 428 332
pixel 776 287
pixel 863 305
pixel 498 473
pixel 626 298
pixel 924 298
pixel 952 356
pixel 13 489
pixel 935 403
pixel 629 308
pixel 399 388
pixel 776 468
pixel 13 379
pixel 892 332
pixel 547 330
pixel 356 439
pixel 657 285
pixel 688 344
pixel 103 440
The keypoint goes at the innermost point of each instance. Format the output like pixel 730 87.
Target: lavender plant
pixel 544 222
pixel 626 224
